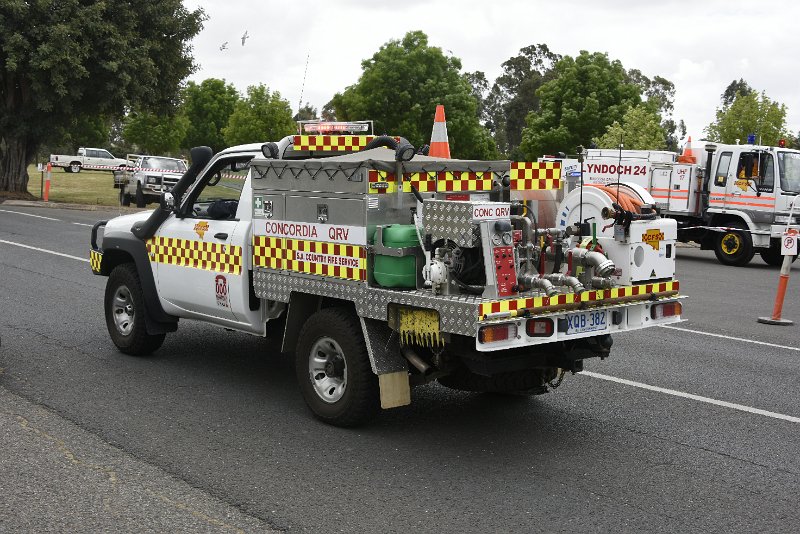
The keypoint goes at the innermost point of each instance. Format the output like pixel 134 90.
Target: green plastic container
pixel 401 271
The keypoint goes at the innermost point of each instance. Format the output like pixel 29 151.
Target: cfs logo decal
pixel 221 287
pixel 653 238
pixel 201 228
pixel 742 184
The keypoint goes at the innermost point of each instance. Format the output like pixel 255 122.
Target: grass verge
pixel 85 187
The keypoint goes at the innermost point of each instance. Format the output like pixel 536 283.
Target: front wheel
pixel 734 246
pixel 141 202
pixel 124 311
pixel 124 198
pixel 333 369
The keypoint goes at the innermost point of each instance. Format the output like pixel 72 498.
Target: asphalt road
pixel 219 414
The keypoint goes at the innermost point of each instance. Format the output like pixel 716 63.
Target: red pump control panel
pixel 505 271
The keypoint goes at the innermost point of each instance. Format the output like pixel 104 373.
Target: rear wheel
pixel 333 369
pixel 734 246
pixel 74 167
pixel 772 255
pixel 124 311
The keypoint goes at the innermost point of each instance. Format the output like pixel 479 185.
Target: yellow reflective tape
pixel 217 257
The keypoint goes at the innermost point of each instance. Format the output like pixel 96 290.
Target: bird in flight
pixel 224 46
pixel 244 37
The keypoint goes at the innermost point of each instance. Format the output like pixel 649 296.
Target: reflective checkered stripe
pixel 333 143
pixel 597 295
pixel 531 176
pixel 381 182
pixel 96 260
pixel 311 257
pixel 464 181
pixel 217 257
pixel 425 182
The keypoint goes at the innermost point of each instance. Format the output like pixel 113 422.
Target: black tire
pixel 734 247
pixel 772 255
pixel 124 198
pixel 335 337
pixel 141 202
pixel 124 311
pixel 67 169
pixel 75 167
pixel 532 381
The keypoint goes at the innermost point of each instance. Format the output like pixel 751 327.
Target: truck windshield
pixel 164 164
pixel 789 163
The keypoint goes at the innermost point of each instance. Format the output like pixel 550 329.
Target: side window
pixel 217 194
pixel 722 169
pixel 91 154
pixel 767 173
pixel 104 154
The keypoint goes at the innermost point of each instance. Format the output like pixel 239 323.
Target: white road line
pixel 724 404
pixel 732 338
pixel 83 224
pixel 30 215
pixel 44 250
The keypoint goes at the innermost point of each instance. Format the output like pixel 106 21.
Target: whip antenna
pixel 303 87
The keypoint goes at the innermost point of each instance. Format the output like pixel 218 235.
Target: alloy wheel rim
pixel 123 310
pixel 327 370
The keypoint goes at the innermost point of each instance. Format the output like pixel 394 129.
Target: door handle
pixel 221 235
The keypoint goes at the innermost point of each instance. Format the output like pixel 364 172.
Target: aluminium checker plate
pixel 457 313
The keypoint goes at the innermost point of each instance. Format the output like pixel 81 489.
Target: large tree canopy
pixel 65 59
pixel 261 116
pixel 399 89
pixel 749 113
pixel 587 94
pixel 208 106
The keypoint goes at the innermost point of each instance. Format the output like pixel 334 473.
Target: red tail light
pixel 539 327
pixel 668 309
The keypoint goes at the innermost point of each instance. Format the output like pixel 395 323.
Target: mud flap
pixel 383 348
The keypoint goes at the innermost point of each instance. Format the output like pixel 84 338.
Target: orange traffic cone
pixel 440 147
pixel 687 156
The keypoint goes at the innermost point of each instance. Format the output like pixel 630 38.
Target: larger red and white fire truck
pixel 382 268
pixel 734 199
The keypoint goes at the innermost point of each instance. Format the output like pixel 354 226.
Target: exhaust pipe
pixel 415 360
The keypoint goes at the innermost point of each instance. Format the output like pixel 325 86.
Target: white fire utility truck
pixel 382 268
pixel 734 199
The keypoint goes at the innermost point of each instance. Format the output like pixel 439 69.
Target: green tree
pixel 306 113
pixel 588 94
pixel 261 116
pixel 61 60
pixel 155 134
pixel 750 113
pixel 208 106
pixel 734 89
pixel 399 88
pixel 640 130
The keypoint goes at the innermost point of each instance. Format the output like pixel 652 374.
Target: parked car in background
pixel 88 158
pixel 145 177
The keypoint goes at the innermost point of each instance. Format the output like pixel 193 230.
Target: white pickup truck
pixel 146 177
pixel 383 269
pixel 88 158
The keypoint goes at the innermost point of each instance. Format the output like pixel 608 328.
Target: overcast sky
pixel 701 46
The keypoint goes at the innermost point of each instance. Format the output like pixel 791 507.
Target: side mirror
pixel 167 202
